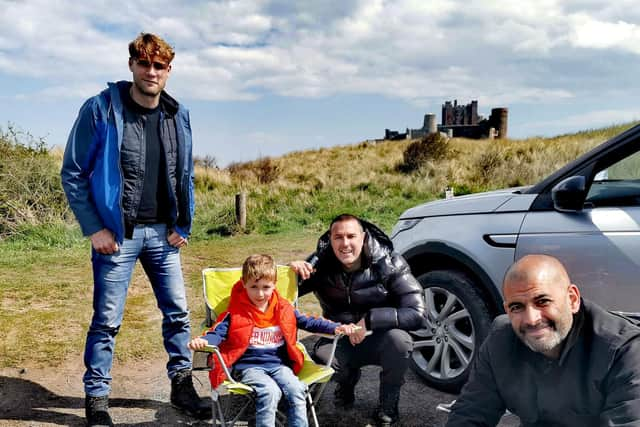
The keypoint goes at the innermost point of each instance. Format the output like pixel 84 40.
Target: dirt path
pixel 140 395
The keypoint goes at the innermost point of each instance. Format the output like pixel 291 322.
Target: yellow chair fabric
pixel 217 284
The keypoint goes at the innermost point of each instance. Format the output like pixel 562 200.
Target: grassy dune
pixel 303 190
pixel 45 273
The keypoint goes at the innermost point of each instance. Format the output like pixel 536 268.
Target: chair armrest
pixel 336 338
pixel 216 352
pixel 322 335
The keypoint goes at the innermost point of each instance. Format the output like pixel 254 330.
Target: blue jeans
pixel 270 384
pixel 111 277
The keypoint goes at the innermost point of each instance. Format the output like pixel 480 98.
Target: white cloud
pixel 409 49
pixel 70 92
pixel 592 33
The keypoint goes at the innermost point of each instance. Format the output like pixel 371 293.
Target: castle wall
pixel 462 120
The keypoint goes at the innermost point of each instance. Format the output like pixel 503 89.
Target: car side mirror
pixel 569 194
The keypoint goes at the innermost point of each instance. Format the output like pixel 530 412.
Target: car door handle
pixel 501 240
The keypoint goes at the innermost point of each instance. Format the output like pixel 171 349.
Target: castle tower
pixel 430 125
pixel 474 112
pixel 498 120
pixel 447 113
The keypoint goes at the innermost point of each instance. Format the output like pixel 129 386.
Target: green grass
pixel 46 294
pixel 304 190
pixel 45 271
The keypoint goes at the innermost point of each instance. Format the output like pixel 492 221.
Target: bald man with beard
pixel 554 359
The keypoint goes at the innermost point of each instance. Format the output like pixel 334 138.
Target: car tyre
pixel 458 321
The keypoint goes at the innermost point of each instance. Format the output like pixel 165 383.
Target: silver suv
pixel 587 214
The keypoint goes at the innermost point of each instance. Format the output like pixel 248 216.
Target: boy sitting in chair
pixel 257 335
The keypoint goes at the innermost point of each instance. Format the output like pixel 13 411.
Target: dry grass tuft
pixel 430 148
pixel 302 190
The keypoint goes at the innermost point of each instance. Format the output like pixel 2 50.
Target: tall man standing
pixel 128 175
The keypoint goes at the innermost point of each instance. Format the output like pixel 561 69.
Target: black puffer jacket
pixel 383 290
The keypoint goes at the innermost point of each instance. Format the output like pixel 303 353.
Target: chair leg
pixel 312 408
pixel 217 410
pixel 234 411
pixel 316 390
pixel 217 414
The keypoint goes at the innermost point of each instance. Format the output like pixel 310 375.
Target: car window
pixel 617 184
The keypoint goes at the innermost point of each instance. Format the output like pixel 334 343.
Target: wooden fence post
pixel 241 210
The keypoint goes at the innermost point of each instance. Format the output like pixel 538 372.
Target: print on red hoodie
pixel 266 338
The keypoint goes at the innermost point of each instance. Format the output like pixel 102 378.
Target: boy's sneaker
pixel 97 411
pixel 185 398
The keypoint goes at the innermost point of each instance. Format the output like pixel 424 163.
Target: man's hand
pixel 103 242
pixel 302 269
pixel 176 240
pixel 359 334
pixel 197 343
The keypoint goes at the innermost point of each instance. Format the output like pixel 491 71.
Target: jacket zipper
pixel 172 191
pixel 139 188
pixel 346 278
pixel 119 139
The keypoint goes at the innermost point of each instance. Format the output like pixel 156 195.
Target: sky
pixel 267 77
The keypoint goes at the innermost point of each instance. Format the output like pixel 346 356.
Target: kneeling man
pixel 554 359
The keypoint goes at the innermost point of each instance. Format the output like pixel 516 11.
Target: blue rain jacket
pixel 91 173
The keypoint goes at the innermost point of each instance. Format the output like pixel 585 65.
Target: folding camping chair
pixel 217 284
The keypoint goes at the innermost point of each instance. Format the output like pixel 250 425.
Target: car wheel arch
pixel 439 256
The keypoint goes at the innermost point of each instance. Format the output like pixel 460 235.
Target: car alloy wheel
pixel 447 344
pixel 457 322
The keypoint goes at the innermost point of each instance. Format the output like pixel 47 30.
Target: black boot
pixel 344 395
pixel 97 411
pixel 387 413
pixel 185 398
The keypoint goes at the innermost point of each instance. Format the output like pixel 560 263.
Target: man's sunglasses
pixel 156 65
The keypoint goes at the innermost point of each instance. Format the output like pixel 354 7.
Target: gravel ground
pixel 140 396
